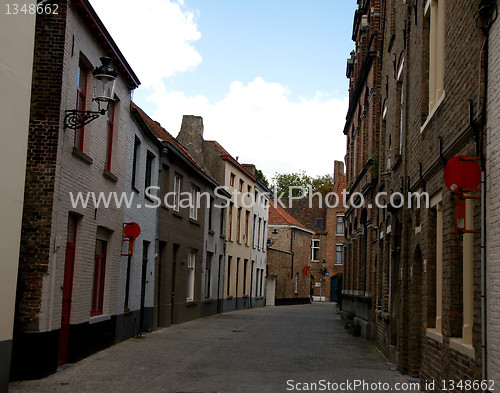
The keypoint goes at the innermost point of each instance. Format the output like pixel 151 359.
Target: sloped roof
pixel 279 216
pixel 99 31
pixel 226 156
pixel 164 135
pixel 311 216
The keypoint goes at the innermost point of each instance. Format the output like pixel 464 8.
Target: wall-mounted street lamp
pixel 105 79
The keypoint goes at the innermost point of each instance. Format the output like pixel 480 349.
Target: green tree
pixel 285 181
pixel 260 176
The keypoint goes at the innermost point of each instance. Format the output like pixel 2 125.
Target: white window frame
pixel 337 227
pixel 191 263
pixel 337 253
pixel 193 207
pixel 314 246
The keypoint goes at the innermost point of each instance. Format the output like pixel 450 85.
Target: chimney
pixel 249 167
pixel 191 134
pixel 338 170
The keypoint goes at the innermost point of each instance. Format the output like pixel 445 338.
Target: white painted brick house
pixel 70 263
pixel 136 297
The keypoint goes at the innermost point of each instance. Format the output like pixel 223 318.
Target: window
pixel 149 170
pixel 245 268
pixel 137 144
pixel 193 207
pixel 210 214
pixel 247 228
pixel 468 273
pixel 110 121
pixel 257 282
pixel 228 276
pixel 231 179
pixel 261 282
pixel 99 276
pixel 435 21
pixel 297 283
pixel 260 227
pixel 315 250
pixel 177 192
pixel 339 254
pixel 340 225
pixel 208 274
pixel 435 269
pixel 238 225
pixel 254 233
pixel 241 185
pixel 264 231
pixel 81 98
pixel 190 277
pixel 221 218
pixel 231 206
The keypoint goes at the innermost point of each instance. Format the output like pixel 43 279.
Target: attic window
pixel 318 223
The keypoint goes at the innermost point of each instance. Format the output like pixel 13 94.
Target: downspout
pixel 291 251
pixel 487 15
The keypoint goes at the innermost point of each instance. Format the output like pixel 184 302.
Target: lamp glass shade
pixel 104 82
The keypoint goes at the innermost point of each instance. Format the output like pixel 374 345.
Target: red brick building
pixel 362 129
pixel 416 101
pixel 325 217
pixel 288 258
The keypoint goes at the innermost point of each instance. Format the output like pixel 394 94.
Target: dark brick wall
pixel 44 127
pixel 179 234
pixel 404 282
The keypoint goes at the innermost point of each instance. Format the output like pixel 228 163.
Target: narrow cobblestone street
pixel 255 350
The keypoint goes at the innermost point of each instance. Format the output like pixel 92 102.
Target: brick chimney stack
pixel 338 170
pixel 191 134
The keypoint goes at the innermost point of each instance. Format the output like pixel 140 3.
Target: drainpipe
pixel 487 15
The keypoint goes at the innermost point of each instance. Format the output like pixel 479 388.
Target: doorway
pixel 69 267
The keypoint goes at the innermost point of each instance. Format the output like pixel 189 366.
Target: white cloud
pixel 155 36
pixel 258 123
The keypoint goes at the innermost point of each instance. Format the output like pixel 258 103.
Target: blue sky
pixel 272 71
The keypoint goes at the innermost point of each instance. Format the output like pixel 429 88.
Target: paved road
pixel 252 351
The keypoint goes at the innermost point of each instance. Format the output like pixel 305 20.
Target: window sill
pixel 177 214
pixel 110 176
pixel 459 345
pixel 435 335
pixel 193 221
pixel 99 318
pixel 209 300
pixel 82 156
pixel 434 110
pixel 211 233
pixel 418 229
pixel 134 188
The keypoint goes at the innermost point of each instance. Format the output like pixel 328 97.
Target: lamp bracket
pixel 75 118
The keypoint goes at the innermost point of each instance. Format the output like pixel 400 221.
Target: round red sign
pixel 132 230
pixel 462 174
